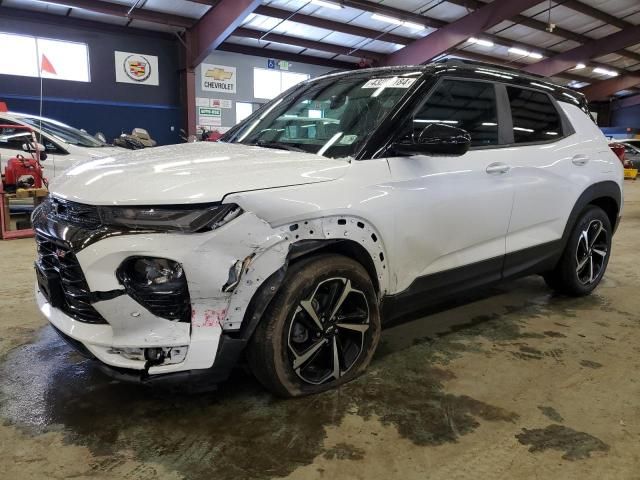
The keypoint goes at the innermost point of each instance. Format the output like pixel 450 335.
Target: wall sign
pixel 209 116
pixel 218 78
pixel 221 103
pixel 277 64
pixel 137 68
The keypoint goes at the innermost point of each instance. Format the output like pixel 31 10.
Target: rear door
pixel 544 154
pixel 452 213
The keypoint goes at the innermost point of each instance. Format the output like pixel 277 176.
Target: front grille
pixel 77 214
pixel 55 257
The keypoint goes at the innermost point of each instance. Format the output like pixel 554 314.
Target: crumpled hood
pixel 190 173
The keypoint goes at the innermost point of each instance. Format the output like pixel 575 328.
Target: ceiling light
pixel 580 66
pixel 397 21
pixel 535 55
pixel 323 3
pixel 521 129
pixel 413 26
pixel 518 51
pixel 604 71
pixel 480 41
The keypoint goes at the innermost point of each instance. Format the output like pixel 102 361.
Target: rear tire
pixel 320 330
pixel 585 257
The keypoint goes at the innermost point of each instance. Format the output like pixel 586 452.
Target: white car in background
pixel 64 145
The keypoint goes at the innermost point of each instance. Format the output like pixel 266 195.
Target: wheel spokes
pixel 356 327
pixel 299 360
pixel 307 306
pixel 602 253
pixel 336 359
pixel 328 330
pixel 343 296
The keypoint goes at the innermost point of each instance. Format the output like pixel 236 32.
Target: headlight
pixel 183 218
pixel 158 284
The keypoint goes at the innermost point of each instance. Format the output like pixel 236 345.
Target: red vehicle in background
pixel 618 149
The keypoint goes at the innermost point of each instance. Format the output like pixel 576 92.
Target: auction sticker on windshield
pixel 393 82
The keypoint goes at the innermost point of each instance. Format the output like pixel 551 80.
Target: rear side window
pixel 535 118
pixel 463 104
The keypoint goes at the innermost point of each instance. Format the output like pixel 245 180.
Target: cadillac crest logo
pixel 137 67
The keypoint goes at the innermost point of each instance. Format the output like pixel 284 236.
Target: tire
pixel 585 257
pixel 291 353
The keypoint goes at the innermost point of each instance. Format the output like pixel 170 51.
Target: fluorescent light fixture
pixel 480 41
pixel 397 21
pixel 325 4
pixel 604 71
pixel 489 124
pixel 580 66
pixel 551 133
pixel 519 51
pixel 535 55
pixel 520 129
pixel 413 26
pixel 419 120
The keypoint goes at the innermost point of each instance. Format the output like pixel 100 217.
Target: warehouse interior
pixel 508 379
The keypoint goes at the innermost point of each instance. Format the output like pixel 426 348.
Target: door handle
pixel 498 168
pixel 580 159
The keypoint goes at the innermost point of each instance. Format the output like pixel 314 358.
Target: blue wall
pixel 101 105
pixel 626 117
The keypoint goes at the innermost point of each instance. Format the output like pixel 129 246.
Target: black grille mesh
pixel 56 257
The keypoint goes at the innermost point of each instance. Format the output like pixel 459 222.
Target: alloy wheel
pixel 326 334
pixel 591 252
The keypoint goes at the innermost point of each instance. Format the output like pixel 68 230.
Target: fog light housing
pixel 158 284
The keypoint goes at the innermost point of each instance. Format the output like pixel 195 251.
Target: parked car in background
pixel 632 153
pixel 294 238
pixel 63 144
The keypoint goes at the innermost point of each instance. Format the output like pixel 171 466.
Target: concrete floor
pixel 518 383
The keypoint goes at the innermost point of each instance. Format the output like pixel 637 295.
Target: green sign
pixel 209 112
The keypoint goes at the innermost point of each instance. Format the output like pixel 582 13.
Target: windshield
pixel 63 132
pixel 331 117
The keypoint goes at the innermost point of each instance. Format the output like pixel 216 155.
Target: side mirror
pixel 31 148
pixel 436 139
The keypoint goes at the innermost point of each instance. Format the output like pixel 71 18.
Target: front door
pixel 452 213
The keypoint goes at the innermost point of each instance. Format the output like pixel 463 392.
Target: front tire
pixel 320 330
pixel 585 257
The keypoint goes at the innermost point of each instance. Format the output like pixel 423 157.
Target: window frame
pixel 500 113
pixel 565 125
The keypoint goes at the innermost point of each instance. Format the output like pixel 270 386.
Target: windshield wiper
pixel 278 145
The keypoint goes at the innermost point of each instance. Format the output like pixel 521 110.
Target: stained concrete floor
pixel 515 383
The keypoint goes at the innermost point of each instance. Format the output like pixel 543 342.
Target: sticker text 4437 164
pixel 393 82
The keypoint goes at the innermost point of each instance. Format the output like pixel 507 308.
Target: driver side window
pixel 464 104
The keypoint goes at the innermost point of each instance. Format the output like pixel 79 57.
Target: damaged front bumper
pixel 135 344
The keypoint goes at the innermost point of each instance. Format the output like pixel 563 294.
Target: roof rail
pixel 470 63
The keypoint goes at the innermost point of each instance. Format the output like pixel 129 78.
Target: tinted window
pixel 535 118
pixel 467 105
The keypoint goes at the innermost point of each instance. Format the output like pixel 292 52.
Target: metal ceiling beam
pixel 592 49
pixel 331 25
pixel 291 57
pixel 449 36
pixel 118 10
pixel 542 26
pixel 593 12
pixel 216 25
pixel 304 43
pixel 606 88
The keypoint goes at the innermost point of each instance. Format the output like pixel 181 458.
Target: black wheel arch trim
pixel 606 191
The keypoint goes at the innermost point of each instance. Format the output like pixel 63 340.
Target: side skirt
pixel 431 290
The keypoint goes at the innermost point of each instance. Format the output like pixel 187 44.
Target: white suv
pixel 293 242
